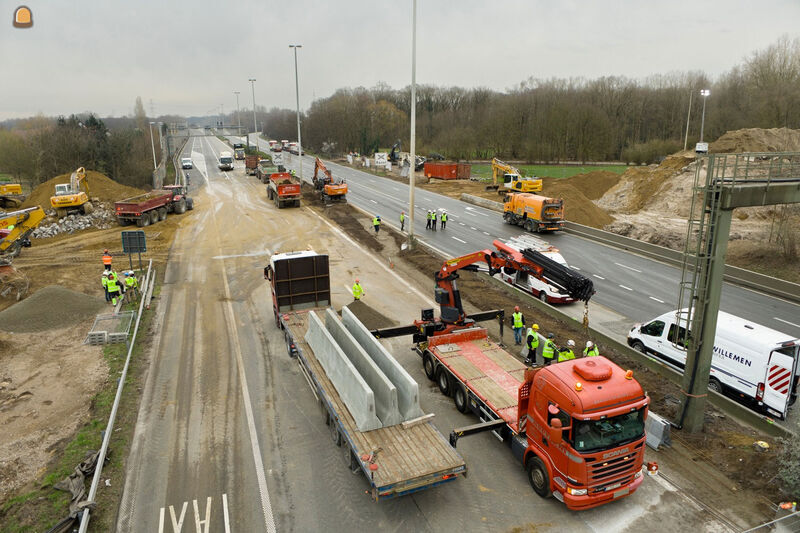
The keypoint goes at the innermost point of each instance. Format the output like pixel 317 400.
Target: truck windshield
pixel 592 435
pixel 225 160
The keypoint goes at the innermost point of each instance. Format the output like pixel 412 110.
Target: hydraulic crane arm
pixel 22 224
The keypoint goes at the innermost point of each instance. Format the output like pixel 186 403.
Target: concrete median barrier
pixel 385 393
pixel 354 391
pixel 407 388
pixel 483 202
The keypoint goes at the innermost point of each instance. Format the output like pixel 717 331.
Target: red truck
pixel 284 190
pixel 153 206
pixel 577 426
pixel 251 164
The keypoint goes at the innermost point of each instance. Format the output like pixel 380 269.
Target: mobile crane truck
pixel 577 426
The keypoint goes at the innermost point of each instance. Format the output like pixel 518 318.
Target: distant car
pixel 186 162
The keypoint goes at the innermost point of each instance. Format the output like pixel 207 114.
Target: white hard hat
pixel 570 342
pixel 589 344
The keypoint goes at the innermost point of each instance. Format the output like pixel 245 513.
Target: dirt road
pixel 229 436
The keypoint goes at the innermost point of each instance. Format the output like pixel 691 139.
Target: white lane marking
pixel 473 228
pixel 482 214
pixel 786 322
pixel 225 513
pixel 343 235
pixel 598 277
pixel 626 288
pixel 250 254
pixel 629 268
pixel 266 507
pixel 573 267
pixel 656 299
pixel 373 201
pixel 204 523
pixel 461 224
pixel 459 240
pixel 486 233
pixel 471 213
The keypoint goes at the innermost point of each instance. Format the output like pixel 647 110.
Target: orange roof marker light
pixel 23 18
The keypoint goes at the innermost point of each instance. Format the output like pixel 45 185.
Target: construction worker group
pixel 550 351
pixel 114 285
pixel 432 218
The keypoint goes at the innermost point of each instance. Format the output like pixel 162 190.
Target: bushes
pixel 789 467
pixel 650 152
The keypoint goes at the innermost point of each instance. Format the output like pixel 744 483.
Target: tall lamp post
pixel 413 147
pixel 153 146
pixel 297 94
pixel 255 126
pixel 688 116
pixel 238 116
pixel 704 93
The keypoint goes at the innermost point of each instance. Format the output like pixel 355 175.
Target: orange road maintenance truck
pixel 577 427
pixel 533 212
pixel 396 459
pixel 284 190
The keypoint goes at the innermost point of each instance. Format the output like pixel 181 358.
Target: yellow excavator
pixel 11 195
pixel 511 180
pixel 15 230
pixel 72 197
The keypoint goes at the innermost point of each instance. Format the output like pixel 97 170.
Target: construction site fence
pixel 789 523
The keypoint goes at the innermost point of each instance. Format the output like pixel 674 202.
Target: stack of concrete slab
pixel 377 391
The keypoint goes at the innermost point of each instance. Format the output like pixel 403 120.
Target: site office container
pixel 447 171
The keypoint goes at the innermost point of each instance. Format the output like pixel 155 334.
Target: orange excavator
pixel 329 188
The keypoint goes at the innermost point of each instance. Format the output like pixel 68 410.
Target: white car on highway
pixel 186 162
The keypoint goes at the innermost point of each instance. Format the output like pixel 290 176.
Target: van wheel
pixel 429 366
pixel 714 385
pixel 638 346
pixel 443 380
pixel 460 398
pixel 538 478
pixel 543 296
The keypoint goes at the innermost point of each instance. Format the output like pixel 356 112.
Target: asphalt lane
pixel 633 286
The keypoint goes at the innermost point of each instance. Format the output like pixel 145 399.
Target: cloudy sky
pixel 188 57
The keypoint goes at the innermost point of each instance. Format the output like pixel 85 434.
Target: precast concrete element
pixel 407 387
pixel 354 391
pixel 384 391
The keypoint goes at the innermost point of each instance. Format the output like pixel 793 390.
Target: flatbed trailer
pixel 396 460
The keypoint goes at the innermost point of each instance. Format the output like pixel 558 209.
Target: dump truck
pixel 284 190
pixel 577 427
pixel 153 206
pixel 251 164
pixel 72 197
pixel 265 169
pixel 533 212
pixel 396 459
pixel 11 195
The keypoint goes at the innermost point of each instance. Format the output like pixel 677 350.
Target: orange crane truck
pixel 328 188
pixel 577 427
pixel 396 460
pixel 533 212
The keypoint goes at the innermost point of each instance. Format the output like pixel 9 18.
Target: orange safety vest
pixel 106 259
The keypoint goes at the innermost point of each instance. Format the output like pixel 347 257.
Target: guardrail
pixel 149 281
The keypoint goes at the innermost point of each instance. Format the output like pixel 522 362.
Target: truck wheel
pixel 443 380
pixel 162 213
pixel 122 221
pixel 460 398
pixel 538 478
pixel 154 216
pixel 190 203
pixel 429 366
pixel 336 437
pixel 143 221
pixel 715 385
pixel 180 207
pixel 507 218
pixel 528 226
pixel 639 347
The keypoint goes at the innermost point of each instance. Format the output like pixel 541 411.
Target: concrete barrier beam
pixel 384 391
pixel 407 387
pixel 354 391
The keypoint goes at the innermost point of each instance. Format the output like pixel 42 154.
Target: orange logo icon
pixel 23 18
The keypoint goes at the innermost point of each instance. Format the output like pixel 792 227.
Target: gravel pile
pixel 101 218
pixel 48 308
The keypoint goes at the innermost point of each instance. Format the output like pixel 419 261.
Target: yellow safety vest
pixel 549 349
pixel 402 217
pixel 357 291
pixel 376 221
pixel 566 355
pixel 535 342
pixel 517 320
pixel 444 217
pixel 591 352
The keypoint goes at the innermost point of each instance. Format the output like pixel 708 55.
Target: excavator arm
pixel 15 229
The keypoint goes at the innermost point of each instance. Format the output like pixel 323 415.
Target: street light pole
pixel 704 93
pixel 413 147
pixel 297 94
pixel 222 117
pixel 153 146
pixel 238 116
pixel 255 126
pixel 689 114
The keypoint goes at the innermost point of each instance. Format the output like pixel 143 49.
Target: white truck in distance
pixel 225 161
pixel 752 361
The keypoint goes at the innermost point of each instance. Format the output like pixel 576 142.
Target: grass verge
pixel 39 506
pixel 550 171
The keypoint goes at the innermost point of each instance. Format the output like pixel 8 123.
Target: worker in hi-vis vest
pixel 358 292
pixel 549 350
pixel 590 350
pixel 567 353
pixel 532 342
pixel 517 324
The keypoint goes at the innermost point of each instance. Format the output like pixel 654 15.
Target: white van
pixel 225 161
pixel 754 361
pixel 531 284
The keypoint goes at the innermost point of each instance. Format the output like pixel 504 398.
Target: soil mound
pixel 369 316
pixel 757 140
pixel 100 186
pixel 593 184
pixel 577 207
pixel 48 308
pixel 639 185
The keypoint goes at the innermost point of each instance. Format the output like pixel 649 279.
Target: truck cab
pixel 225 161
pixel 584 429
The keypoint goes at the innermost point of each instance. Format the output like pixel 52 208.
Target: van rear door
pixel 779 380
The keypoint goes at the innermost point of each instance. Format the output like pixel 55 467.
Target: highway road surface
pixel 230 438
pixel 633 286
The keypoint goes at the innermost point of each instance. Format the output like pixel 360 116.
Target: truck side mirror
pixel 554 429
pixel 268 272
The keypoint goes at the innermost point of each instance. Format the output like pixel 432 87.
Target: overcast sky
pixel 188 57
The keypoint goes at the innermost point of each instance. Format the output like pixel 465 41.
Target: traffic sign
pixel 381 158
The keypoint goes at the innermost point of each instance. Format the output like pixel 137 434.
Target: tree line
pixel 546 120
pixel 39 148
